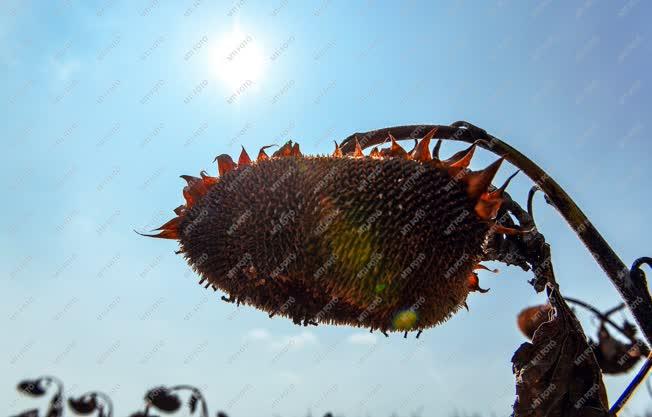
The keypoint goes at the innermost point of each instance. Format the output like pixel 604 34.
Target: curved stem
pixel 56 403
pixel 54 380
pixel 603 316
pixel 197 392
pixel 640 377
pixel 643 260
pixel 105 398
pixel 635 293
pixel 530 198
pixel 614 309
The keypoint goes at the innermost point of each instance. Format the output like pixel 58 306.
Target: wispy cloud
pixel 295 342
pixel 363 338
pixel 299 341
pixel 258 334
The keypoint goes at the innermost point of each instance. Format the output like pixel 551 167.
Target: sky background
pixel 105 104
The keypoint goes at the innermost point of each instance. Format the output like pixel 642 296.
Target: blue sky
pixel 105 104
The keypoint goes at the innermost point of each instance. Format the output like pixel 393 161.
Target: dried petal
pixel 244 158
pixel 224 164
pixel 337 153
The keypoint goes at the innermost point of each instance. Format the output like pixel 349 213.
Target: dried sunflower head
pixel 388 241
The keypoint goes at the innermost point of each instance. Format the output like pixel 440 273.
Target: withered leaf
pixel 557 374
pixel 614 356
pixel 531 318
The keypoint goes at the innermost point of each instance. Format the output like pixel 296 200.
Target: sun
pixel 238 59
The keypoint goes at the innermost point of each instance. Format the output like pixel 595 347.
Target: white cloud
pixel 295 342
pixel 258 334
pixel 298 341
pixel 362 339
pixel 304 338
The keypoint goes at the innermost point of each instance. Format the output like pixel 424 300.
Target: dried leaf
pixel 31 387
pixel 531 318
pixel 557 374
pixel 629 328
pixel 614 356
pixel 83 405
pixel 163 399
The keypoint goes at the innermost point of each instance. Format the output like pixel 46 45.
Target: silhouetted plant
pixel 90 402
pixel 38 388
pixel 166 399
pixel 31 387
pixel 160 398
pixel 163 399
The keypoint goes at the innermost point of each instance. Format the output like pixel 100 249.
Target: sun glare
pixel 238 59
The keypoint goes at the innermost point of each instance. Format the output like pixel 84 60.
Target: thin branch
pixel 640 377
pixel 605 318
pixel 602 316
pixel 633 291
